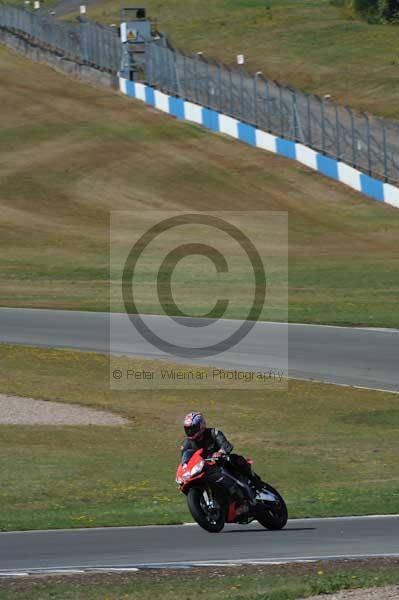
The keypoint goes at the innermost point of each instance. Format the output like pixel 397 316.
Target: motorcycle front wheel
pixel 272 517
pixel 211 519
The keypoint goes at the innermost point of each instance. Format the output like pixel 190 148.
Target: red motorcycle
pixel 216 496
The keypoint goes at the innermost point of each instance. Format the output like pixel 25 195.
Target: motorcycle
pixel 215 496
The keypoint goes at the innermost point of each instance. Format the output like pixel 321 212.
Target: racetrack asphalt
pixel 362 357
pixel 180 545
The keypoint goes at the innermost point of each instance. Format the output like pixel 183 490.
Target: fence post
pixel 208 85
pixel 242 93
pixel 231 92
pixel 337 132
pixel 220 93
pixel 81 42
pixel 323 126
pixel 184 77
pixel 176 73
pixel 159 51
pixel 384 147
pixel 148 63
pixel 164 64
pixel 97 45
pixel 268 105
pixel 196 77
pixel 161 67
pixel 101 58
pixel 256 97
pixel 369 166
pixel 309 114
pixel 281 111
pixel 85 36
pixel 149 47
pixel 165 68
pixel 353 137
pixel 294 120
pixel 172 74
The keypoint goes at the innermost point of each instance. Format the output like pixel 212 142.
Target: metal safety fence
pixel 85 41
pixel 368 143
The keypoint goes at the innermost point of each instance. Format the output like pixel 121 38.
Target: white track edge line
pixel 191 524
pixel 190 564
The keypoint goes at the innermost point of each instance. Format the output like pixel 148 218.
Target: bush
pixel 375 11
pixel 388 9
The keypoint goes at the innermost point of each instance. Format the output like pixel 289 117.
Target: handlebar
pixel 215 458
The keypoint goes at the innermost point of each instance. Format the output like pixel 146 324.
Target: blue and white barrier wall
pixel 211 119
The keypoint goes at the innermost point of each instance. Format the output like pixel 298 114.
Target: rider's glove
pixel 218 454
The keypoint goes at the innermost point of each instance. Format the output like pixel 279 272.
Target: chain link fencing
pixel 85 41
pixel 367 143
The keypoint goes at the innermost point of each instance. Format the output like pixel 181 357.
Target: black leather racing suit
pixel 214 440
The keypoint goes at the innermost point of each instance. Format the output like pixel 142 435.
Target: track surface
pixel 361 357
pixel 139 546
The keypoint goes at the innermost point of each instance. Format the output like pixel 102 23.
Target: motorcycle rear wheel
pixel 273 518
pixel 210 521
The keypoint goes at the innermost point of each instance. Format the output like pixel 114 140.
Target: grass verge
pixel 238 583
pixel 331 450
pixel 70 154
pixel 314 45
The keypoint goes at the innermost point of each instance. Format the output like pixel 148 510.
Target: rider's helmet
pixel 194 425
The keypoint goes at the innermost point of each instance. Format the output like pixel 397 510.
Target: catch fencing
pixel 84 41
pixel 367 143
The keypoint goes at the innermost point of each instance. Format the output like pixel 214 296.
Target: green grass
pixel 71 153
pixel 217 584
pixel 311 44
pixel 330 450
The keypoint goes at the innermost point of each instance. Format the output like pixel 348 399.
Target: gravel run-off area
pixel 27 411
pixel 385 593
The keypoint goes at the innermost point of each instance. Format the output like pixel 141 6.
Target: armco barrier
pixel 181 109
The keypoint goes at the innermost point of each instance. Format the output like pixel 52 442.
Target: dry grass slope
pixel 70 153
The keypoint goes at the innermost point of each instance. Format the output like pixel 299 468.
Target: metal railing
pixel 368 143
pixel 87 42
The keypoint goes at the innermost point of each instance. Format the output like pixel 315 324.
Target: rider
pixel 214 443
